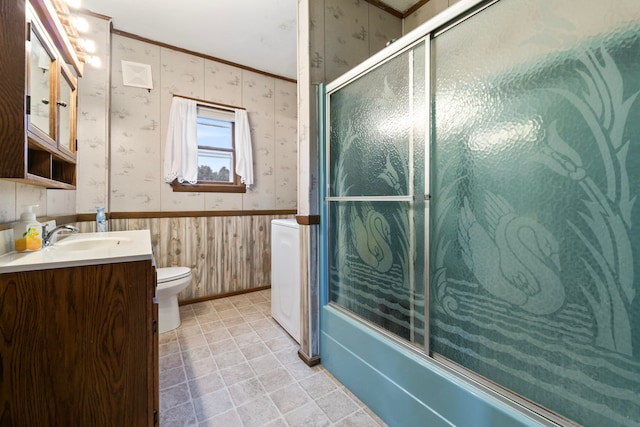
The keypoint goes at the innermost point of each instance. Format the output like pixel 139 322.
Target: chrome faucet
pixel 47 236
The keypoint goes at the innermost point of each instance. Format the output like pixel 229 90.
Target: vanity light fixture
pixel 93 60
pixel 73 25
pixel 80 24
pixel 88 45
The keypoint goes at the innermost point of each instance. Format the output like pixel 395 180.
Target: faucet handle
pixel 45 228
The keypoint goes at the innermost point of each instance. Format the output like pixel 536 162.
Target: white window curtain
pixel 181 149
pixel 244 156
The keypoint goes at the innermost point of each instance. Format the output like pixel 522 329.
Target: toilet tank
pixel 285 275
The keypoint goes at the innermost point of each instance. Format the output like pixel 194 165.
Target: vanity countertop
pixel 83 249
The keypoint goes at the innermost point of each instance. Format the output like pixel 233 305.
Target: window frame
pixel 235 186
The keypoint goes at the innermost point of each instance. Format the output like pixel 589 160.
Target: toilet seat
pixel 168 274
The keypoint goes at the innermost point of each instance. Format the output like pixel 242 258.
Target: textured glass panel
pixel 536 170
pixel 64 114
pixel 377 249
pixel 371 129
pixel 372 271
pixel 40 84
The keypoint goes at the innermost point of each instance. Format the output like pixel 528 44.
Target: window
pixel 216 153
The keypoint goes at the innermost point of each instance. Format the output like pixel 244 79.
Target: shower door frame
pixel 502 407
pixel 335 86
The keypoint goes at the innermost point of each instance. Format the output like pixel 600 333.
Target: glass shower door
pixel 534 232
pixel 377 175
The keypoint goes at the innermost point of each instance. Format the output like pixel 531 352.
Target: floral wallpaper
pixel 426 12
pixel 139 122
pixel 344 33
pixel 93 124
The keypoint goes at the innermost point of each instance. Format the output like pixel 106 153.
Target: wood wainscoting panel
pixel 214 255
pixel 173 233
pixel 226 254
pixel 258 254
pixel 151 224
pixel 195 247
pixel 233 248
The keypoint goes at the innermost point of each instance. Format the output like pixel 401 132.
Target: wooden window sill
pixel 208 188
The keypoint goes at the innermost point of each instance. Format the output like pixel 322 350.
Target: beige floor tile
pixel 258 412
pixel 254 351
pixel 308 415
pixel 358 419
pixel 169 348
pixel 318 385
pixel 246 391
pixel 200 367
pixel 250 338
pixel 196 353
pixel 179 416
pixel 226 419
pixel 337 405
pixel 170 361
pixel 171 377
pixel 237 373
pixel 174 396
pixel 229 364
pixel 264 364
pixel 229 358
pixel 206 384
pixel 223 346
pixel 289 398
pixel 276 379
pixel 212 404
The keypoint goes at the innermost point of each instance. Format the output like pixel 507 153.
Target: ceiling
pixel 401 5
pixel 260 34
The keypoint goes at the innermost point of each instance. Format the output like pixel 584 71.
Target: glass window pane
pixel 214 133
pixel 215 165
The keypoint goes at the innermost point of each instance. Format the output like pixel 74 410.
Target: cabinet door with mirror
pixel 66 109
pixel 42 72
pixel 38 106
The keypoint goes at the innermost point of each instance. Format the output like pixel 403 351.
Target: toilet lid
pixel 167 274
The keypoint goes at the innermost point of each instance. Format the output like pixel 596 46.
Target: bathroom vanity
pixel 78 333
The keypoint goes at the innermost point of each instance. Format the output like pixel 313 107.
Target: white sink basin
pixel 91 243
pixel 82 249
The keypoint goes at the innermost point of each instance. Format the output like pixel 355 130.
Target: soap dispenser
pixel 27 233
pixel 101 220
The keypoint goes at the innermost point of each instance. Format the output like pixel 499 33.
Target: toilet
pixel 171 280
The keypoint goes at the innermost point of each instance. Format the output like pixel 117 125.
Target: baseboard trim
pixel 225 295
pixel 310 361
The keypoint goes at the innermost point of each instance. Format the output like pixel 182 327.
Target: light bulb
pixel 81 24
pixel 94 61
pixel 88 45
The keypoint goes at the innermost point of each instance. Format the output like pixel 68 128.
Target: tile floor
pixel 230 364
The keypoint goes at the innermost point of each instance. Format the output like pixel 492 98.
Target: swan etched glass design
pixel 375 167
pixel 535 243
pixel 532 242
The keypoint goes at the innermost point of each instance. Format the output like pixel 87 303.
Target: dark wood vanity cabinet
pixel 79 346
